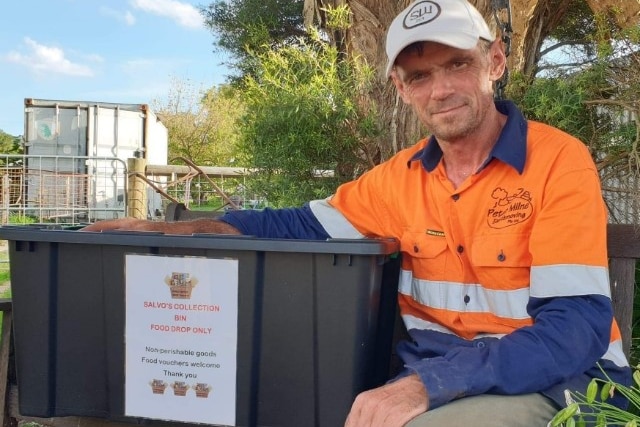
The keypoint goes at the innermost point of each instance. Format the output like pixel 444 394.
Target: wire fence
pixel 61 189
pixel 215 192
pixel 82 189
pixel 621 192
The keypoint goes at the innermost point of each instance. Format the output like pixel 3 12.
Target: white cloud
pixel 183 13
pixel 129 18
pixel 48 59
pixel 125 17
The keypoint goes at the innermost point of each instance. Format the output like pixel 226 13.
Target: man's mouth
pixel 446 110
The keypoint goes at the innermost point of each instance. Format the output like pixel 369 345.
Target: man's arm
pixel 569 335
pixel 290 223
pixel 197 226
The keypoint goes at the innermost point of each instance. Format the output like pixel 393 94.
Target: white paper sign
pixel 181 338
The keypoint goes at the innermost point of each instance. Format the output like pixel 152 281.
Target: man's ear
pixel 400 86
pixel 498 60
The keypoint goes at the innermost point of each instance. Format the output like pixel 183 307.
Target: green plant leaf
pixel 564 415
pixel 592 391
pixel 604 392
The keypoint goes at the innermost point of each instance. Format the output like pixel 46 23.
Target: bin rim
pixel 367 246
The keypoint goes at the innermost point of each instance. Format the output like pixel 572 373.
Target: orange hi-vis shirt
pixel 510 250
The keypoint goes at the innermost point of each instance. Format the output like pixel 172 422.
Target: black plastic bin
pixel 315 321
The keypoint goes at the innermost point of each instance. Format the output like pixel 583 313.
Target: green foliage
pixel 245 26
pixel 592 407
pixel 305 114
pixel 577 24
pixel 9 144
pixel 202 124
pixel 587 104
pixel 15 218
pixel 563 102
pixel 559 102
pixel 338 18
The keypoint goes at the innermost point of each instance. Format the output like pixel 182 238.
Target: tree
pixel 10 144
pixel 245 26
pixel 202 127
pixel 625 14
pixel 202 124
pixel 304 117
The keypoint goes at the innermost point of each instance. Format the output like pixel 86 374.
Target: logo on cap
pixel 421 13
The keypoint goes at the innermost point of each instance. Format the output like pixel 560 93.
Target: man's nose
pixel 441 84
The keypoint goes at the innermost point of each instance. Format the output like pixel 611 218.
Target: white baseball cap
pixel 455 23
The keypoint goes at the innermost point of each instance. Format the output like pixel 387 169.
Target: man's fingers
pixel 392 405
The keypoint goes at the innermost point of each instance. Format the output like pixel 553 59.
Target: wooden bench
pixel 623 245
pixel 624 252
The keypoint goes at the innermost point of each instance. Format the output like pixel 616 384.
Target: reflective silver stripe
pixel 333 221
pixel 569 280
pixel 616 354
pixel 412 322
pixel 461 297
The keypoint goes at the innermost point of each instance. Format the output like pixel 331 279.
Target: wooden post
pixel 6 196
pixel 137 189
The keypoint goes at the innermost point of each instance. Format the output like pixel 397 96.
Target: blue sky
pixel 121 51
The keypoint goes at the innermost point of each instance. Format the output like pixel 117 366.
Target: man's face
pixel 450 89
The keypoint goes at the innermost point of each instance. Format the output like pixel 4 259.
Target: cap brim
pixel 456 40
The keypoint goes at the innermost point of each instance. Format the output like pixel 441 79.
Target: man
pixel 504 287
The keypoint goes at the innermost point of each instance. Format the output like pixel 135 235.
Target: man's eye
pixel 459 65
pixel 418 77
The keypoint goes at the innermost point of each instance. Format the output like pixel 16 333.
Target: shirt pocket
pixel 502 261
pixel 426 254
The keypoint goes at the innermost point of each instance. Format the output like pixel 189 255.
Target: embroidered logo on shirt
pixel 509 209
pixel 435 233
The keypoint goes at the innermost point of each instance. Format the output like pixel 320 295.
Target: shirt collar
pixel 511 147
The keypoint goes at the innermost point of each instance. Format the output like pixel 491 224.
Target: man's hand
pixel 179 227
pixel 392 405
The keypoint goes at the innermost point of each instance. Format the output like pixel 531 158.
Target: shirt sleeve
pixel 568 335
pixel 289 223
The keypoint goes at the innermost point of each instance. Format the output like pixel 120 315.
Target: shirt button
pixel 455 197
pixel 501 257
pixel 466 299
pixel 460 249
pixel 416 249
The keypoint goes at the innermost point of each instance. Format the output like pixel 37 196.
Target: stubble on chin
pixel 452 129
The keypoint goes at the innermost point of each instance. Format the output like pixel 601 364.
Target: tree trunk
pixel 533 20
pixel 626 13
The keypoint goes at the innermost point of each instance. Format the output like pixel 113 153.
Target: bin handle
pixel 25 246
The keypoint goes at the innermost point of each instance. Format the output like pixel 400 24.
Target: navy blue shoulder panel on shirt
pixel 287 223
